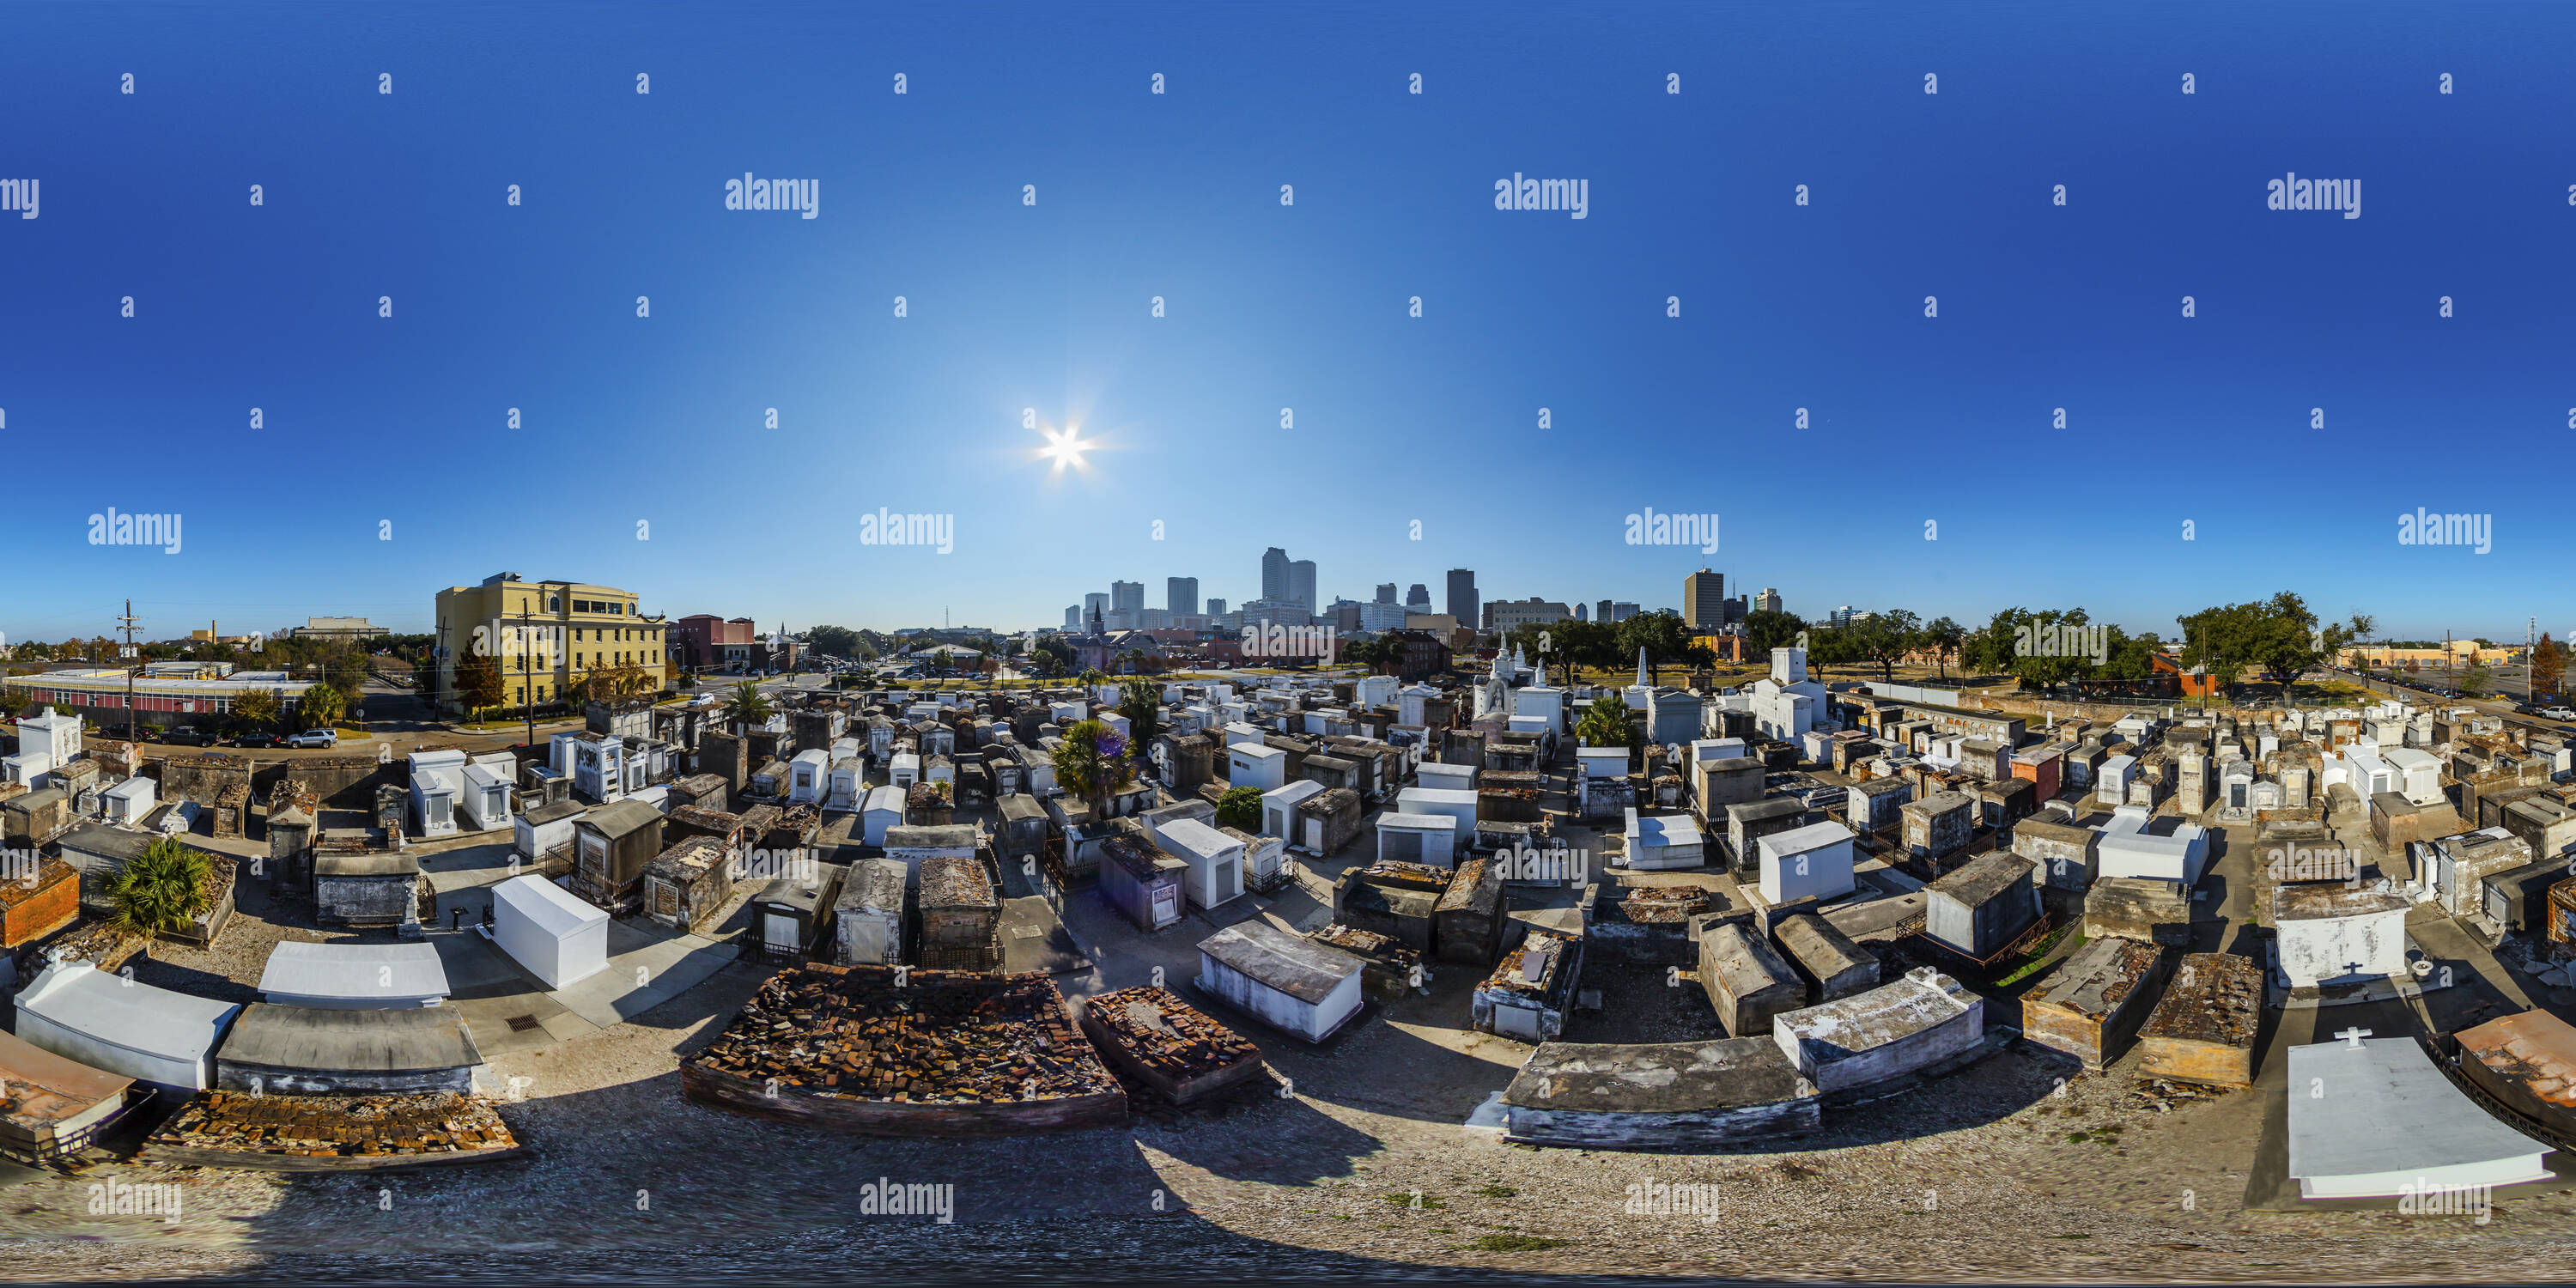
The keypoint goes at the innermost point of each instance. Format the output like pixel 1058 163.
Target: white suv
pixel 315 738
pixel 2558 713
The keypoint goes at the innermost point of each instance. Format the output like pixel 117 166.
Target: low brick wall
pixel 203 777
pixel 342 782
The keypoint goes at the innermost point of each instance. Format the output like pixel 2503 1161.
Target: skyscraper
pixel 1216 607
pixel 1703 596
pixel 1274 573
pixel 1126 596
pixel 1301 583
pixel 1073 617
pixel 1418 599
pixel 1767 602
pixel 1386 592
pixel 1602 612
pixel 1463 602
pixel 1181 596
pixel 1093 605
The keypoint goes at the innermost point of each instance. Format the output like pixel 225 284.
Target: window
pixel 554 603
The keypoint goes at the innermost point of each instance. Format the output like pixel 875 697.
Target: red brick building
pixel 706 642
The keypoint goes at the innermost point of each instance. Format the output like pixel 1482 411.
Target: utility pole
pixel 527 682
pixel 130 671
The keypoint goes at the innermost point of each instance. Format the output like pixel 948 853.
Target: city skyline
pixel 1074 617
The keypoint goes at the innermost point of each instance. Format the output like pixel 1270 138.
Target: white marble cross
pixel 2353 1036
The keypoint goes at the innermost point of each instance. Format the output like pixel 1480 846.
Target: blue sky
pixel 1011 306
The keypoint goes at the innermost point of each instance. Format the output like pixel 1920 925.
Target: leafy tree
pixel 1091 762
pixel 1239 807
pixel 479 683
pixel 2132 656
pixel 257 710
pixel 1606 723
pixel 2474 681
pixel 746 707
pixel 1660 633
pixel 1768 628
pixel 2548 665
pixel 839 641
pixel 1942 638
pixel 344 667
pixel 1884 639
pixel 161 890
pixel 321 706
pixel 1832 646
pixel 2279 637
pixel 940 660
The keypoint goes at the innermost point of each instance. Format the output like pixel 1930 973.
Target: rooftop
pixel 1656 1077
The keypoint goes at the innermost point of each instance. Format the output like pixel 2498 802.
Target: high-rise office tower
pixel 1418 599
pixel 1216 607
pixel 1073 617
pixel 1386 592
pixel 1463 602
pixel 1301 583
pixel 1703 595
pixel 1274 573
pixel 1126 596
pixel 1181 596
pixel 1767 602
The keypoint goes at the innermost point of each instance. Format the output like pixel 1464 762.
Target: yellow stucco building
pixel 545 635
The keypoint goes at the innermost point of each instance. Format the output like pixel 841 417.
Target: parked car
pixel 324 738
pixel 2558 713
pixel 259 740
pixel 189 736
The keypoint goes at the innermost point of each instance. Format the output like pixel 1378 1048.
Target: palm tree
pixel 1091 762
pixel 321 706
pixel 1606 724
pixel 162 890
pixel 746 706
pixel 1141 701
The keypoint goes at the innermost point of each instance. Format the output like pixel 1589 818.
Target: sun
pixel 1065 447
